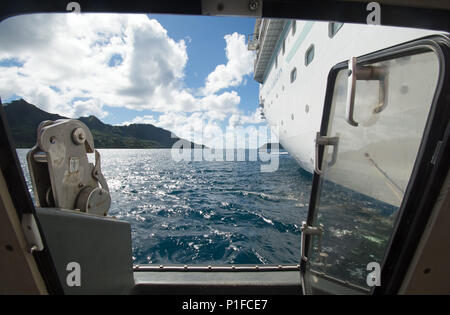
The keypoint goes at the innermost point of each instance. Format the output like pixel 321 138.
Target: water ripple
pixel 206 212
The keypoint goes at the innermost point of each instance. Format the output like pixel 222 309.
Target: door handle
pixel 355 72
pixel 322 140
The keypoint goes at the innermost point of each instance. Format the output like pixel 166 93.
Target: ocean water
pixel 200 212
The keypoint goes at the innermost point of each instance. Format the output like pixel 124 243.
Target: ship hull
pixel 293 103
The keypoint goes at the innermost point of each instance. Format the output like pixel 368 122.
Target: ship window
pixel 293 75
pixel 294 27
pixel 309 55
pixel 333 28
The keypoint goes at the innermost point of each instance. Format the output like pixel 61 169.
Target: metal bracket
pixel 60 171
pixel 355 73
pixel 323 140
pixel 232 7
pixel 313 231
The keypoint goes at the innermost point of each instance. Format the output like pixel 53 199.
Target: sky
pixel 187 74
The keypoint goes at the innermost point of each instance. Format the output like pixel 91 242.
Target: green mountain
pixel 24 118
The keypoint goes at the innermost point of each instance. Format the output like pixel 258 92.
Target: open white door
pixel 375 126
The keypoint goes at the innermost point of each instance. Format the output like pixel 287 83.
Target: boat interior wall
pixel 231 7
pixel 101 246
pixel 432 256
pixel 214 282
pixel 18 270
pixel 325 285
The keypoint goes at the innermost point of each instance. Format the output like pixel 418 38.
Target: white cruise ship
pixel 292 65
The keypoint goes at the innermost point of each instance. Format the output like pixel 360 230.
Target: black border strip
pixel 17 7
pixel 356 12
pixel 325 10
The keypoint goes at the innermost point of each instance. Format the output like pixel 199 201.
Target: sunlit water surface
pixel 206 212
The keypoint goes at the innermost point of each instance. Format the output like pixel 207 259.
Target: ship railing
pixel 253 41
pixel 239 267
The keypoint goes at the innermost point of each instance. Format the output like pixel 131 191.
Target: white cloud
pixel 240 119
pixel 240 64
pixel 78 55
pixel 146 119
pixel 88 107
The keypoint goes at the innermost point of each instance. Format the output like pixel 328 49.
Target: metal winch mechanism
pixel 61 174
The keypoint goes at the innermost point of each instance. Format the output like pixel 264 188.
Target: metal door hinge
pixel 313 231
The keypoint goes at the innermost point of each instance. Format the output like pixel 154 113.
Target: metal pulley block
pixel 60 171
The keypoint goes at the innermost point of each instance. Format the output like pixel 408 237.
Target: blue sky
pixel 176 72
